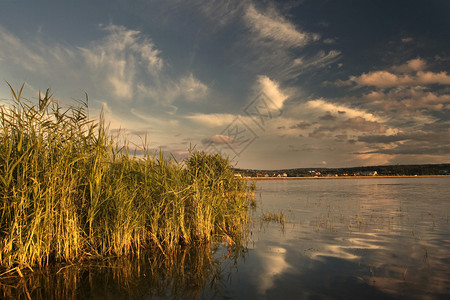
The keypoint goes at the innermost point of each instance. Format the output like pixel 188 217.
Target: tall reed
pixel 69 191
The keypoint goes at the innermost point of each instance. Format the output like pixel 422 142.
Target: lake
pixel 342 238
pixel 378 238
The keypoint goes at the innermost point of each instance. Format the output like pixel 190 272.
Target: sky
pixel 270 84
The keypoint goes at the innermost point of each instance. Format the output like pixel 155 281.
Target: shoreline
pixel 345 177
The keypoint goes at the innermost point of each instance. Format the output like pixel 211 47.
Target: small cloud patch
pixel 218 139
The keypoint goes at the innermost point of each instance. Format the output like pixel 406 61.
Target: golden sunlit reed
pixel 71 192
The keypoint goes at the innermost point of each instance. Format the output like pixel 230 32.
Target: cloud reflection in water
pixel 345 246
pixel 273 264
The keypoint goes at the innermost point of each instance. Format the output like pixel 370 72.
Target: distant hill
pixel 389 170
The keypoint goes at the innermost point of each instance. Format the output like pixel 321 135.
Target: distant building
pixel 314 173
pixel 368 173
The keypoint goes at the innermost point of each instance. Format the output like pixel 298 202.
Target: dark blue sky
pixel 346 83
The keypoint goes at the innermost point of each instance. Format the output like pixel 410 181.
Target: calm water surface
pixel 341 239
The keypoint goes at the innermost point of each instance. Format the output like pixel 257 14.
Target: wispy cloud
pixel 124 66
pixel 337 109
pixel 271 27
pixel 435 137
pixel 219 11
pixel 297 65
pixel 278 47
pixel 15 51
pixel 152 121
pixel 131 67
pixel 192 89
pixel 124 74
pixel 218 139
pixel 120 58
pixel 212 120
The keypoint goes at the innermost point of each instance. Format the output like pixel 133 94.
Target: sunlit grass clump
pixel 274 217
pixel 69 192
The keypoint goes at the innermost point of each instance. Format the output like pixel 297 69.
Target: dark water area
pixel 386 238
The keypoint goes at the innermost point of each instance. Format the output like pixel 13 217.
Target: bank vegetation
pixel 69 191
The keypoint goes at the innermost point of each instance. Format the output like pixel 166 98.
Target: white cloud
pixel 115 121
pixel 409 74
pixel 406 98
pixel 187 88
pixel 212 120
pixel 385 79
pixel 218 139
pixel 375 96
pixel 121 87
pixel 271 26
pixel 382 79
pixel 192 88
pixel 416 64
pixel 329 41
pixel 272 90
pixel 407 95
pixel 407 40
pixel 324 106
pixel 409 100
pixel 433 78
pixel 121 58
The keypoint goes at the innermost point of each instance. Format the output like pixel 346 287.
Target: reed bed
pixel 70 192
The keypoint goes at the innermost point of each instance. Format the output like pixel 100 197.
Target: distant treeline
pixel 391 170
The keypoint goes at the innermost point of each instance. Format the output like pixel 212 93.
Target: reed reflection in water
pixel 194 272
